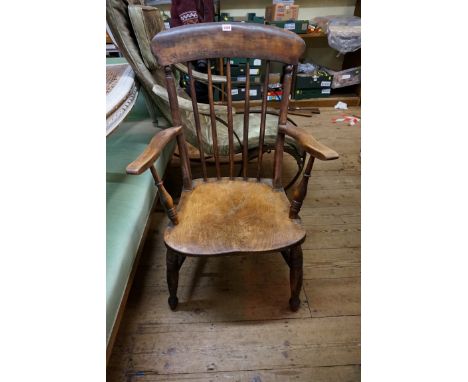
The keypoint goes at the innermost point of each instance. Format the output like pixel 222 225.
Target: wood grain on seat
pixel 233 216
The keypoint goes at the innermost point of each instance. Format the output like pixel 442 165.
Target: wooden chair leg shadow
pixel 230 215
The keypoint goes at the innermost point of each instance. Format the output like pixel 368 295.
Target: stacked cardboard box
pixel 297 26
pixel 239 76
pixel 313 85
pixel 281 12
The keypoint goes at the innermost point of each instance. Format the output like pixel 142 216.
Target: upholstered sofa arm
pixel 152 152
pixel 308 142
pixel 203 77
pixel 186 104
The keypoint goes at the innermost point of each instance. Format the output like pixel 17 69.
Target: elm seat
pixel 233 216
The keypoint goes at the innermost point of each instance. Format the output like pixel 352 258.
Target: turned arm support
pixel 146 161
pixel 203 77
pixel 186 104
pixel 308 142
pixel 316 150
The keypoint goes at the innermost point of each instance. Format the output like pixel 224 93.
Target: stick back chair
pixel 133 26
pixel 231 215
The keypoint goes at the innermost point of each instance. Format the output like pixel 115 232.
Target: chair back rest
pixel 213 41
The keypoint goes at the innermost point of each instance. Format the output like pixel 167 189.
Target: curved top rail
pixel 222 39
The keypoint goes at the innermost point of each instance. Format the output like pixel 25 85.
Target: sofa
pixel 129 202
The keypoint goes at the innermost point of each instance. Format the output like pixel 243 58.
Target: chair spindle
pixel 176 121
pixel 261 137
pixel 230 121
pixel 214 133
pixel 193 95
pixel 165 197
pixel 245 144
pixel 283 118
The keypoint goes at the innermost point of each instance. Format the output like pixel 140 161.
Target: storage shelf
pixel 313 35
pixel 350 99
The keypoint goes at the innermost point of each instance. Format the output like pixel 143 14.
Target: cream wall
pixel 318 50
pixel 308 9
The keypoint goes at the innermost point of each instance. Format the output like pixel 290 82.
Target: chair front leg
pixel 295 277
pixel 174 262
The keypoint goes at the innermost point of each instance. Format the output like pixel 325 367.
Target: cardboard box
pixel 240 70
pixel 311 93
pixel 281 12
pixel 243 79
pixel 254 62
pixel 297 26
pixel 346 77
pixel 238 93
pixel 313 81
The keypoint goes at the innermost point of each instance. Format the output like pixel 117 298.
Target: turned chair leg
pixel 174 262
pixel 295 277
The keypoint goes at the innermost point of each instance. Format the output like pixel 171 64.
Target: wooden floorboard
pixel 233 321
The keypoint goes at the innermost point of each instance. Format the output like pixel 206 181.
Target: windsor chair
pixel 133 26
pixel 231 215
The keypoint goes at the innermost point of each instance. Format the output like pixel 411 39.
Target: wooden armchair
pixel 231 215
pixel 133 26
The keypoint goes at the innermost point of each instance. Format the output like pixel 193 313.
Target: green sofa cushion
pixel 128 203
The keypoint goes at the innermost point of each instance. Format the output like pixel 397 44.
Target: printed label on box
pixel 235 91
pixel 290 26
pixel 227 27
pixel 254 71
pixel 326 91
pixel 325 84
pixel 346 76
pixel 253 92
pixel 241 79
pixel 257 62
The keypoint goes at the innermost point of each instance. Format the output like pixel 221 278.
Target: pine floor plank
pixel 347 373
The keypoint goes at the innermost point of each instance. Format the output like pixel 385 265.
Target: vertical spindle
pixel 261 137
pixel 193 95
pixel 230 122
pixel 283 118
pixel 245 144
pixel 176 121
pixel 214 133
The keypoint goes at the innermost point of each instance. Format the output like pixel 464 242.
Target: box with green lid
pixel 241 70
pixel 238 93
pixel 243 79
pixel 298 26
pixel 316 80
pixel 312 93
pixel 254 62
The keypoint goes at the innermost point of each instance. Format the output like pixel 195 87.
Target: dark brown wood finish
pixel 165 198
pixel 283 119
pixel 152 152
pixel 261 137
pixel 176 121
pixel 230 121
pixel 245 151
pixel 220 216
pixel 300 192
pixel 214 133
pixel 193 95
pixel 210 40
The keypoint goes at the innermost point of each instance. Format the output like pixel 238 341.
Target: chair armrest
pixel 203 77
pixel 308 142
pixel 152 152
pixel 186 104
